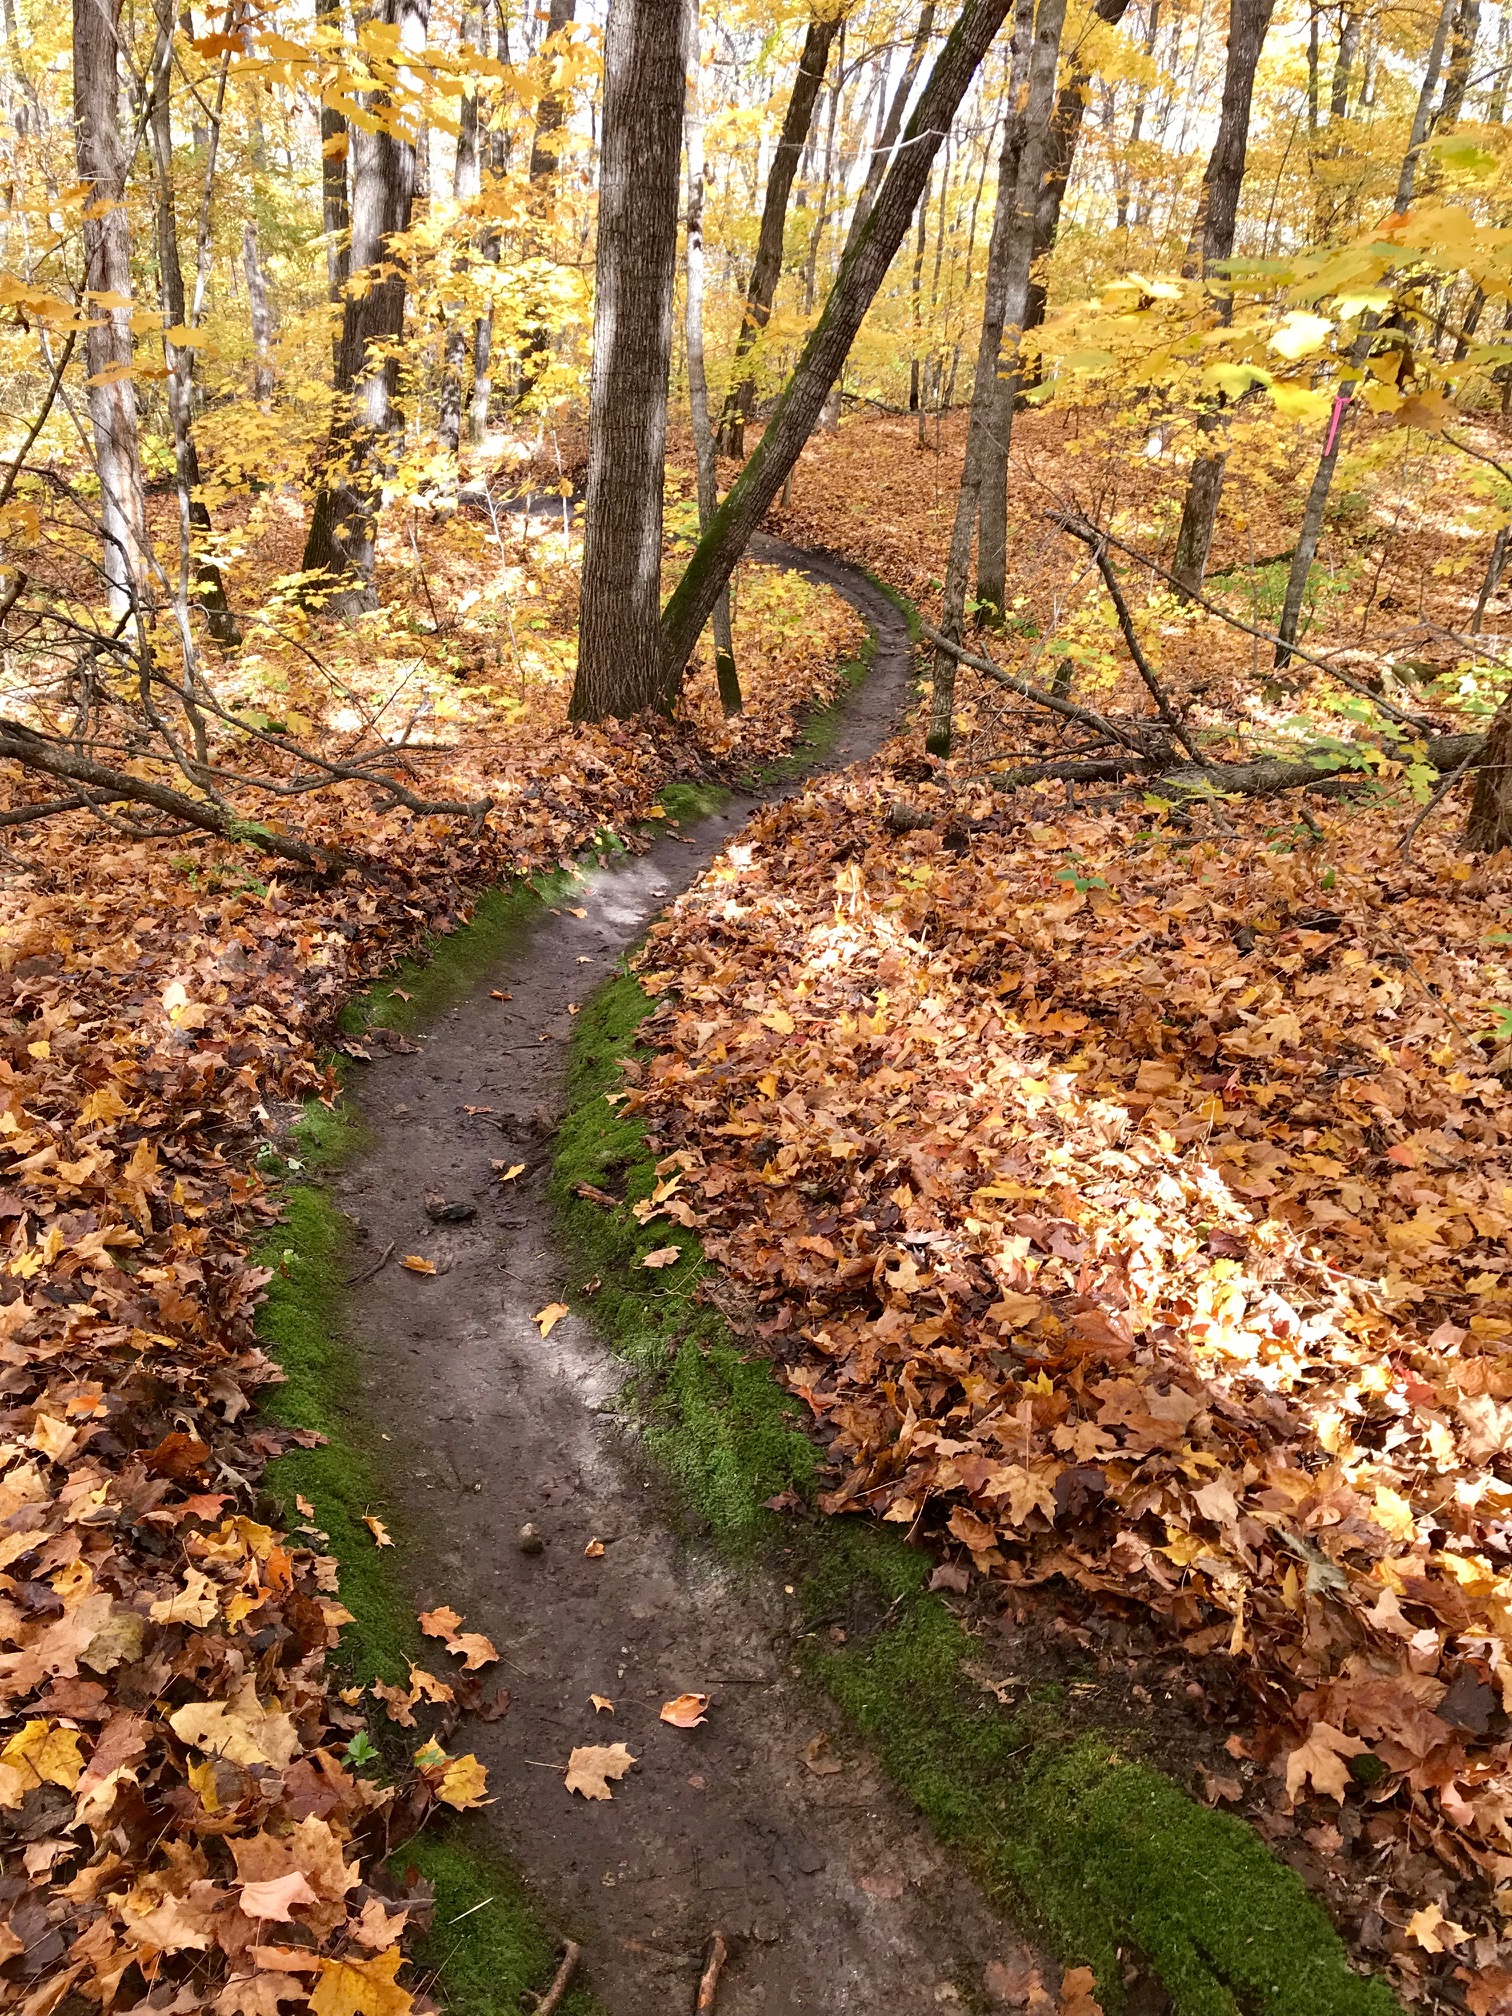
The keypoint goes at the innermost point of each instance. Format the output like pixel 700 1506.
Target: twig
pixel 1442 792
pixel 571 1952
pixel 38 424
pixel 373 1267
pixel 708 1987
pixel 1040 695
pixel 1099 548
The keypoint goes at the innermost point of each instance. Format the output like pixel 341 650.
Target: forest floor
pixel 1123 1202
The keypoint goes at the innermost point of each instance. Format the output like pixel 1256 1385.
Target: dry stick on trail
pixel 1009 264
pixel 708 1986
pixel 861 273
pixel 561 1980
pixel 698 385
pixel 740 402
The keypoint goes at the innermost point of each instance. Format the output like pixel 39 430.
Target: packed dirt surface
pixel 832 1893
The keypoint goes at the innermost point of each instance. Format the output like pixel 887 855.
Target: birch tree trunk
pixel 205 585
pixel 342 541
pixel 766 270
pixel 1211 242
pixel 1010 260
pixel 466 182
pixel 101 162
pixel 335 216
pixel 861 273
pixel 260 314
pixel 698 388
pixel 619 636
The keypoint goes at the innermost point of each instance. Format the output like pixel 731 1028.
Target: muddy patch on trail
pixel 763 1822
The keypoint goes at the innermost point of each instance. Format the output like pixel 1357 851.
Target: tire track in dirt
pixel 832 1891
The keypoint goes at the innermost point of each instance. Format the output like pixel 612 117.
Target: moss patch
pixel 1105 1855
pixel 489 1942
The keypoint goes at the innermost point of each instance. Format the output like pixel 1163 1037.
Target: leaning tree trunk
pixel 761 290
pixel 619 635
pixel 725 671
pixel 1317 496
pixel 342 543
pixel 107 273
pixel 1490 825
pixel 1213 241
pixel 466 182
pixel 335 215
pixel 1010 262
pixel 861 273
pixel 207 589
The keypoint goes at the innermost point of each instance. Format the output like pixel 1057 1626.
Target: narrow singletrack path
pixel 832 1891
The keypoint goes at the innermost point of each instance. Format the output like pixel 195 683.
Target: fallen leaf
pixel 378 1530
pixel 594 1550
pixel 592 1765
pixel 602 1704
pixel 1077 1999
pixel 548 1318
pixel 349 1987
pixel 818 1759
pixel 1433 1931
pixel 276 1899
pixel 463 1782
pixel 418 1265
pixel 515 1169
pixel 1321 1758
pixel 685 1711
pixel 664 1256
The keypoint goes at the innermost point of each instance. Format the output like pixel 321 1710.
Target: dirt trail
pixel 833 1893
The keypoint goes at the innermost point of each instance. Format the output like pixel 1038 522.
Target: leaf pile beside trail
pixel 1134 1210
pixel 182 1812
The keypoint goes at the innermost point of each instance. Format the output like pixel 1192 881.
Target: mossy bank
pixel 1107 1858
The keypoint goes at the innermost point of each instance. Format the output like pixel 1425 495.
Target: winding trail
pixel 832 1891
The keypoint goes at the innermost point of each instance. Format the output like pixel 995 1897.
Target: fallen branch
pixel 1266 776
pixel 708 1987
pixel 1127 734
pixel 561 1981
pixel 103 784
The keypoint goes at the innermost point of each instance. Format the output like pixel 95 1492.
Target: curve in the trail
pixel 833 1892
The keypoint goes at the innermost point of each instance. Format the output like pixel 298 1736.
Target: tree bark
pixel 1489 827
pixel 207 587
pixel 101 164
pixel 766 270
pixel 991 473
pixel 887 139
pixel 261 315
pixel 698 388
pixel 342 541
pixel 545 157
pixel 1060 158
pixel 335 216
pixel 1457 74
pixel 466 182
pixel 493 245
pixel 1317 496
pixel 992 497
pixel 619 667
pixel 1212 242
pixel 824 354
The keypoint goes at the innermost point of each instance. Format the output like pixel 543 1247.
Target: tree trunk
pixel 1457 75
pixel 1060 158
pixel 101 164
pixel 551 120
pixel 619 667
pixel 740 402
pixel 887 139
pixel 698 387
pixel 1009 265
pixel 493 245
pixel 1141 100
pixel 861 273
pixel 1489 828
pixel 1212 243
pixel 1349 42
pixel 342 541
pixel 207 588
pixel 992 472
pixel 1317 496
pixel 466 181
pixel 335 216
pixel 261 316
pixel 545 156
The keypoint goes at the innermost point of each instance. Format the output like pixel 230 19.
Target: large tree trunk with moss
pixel 766 269
pixel 342 544
pixel 861 273
pixel 1010 262
pixel 101 161
pixel 619 668
pixel 1212 241
pixel 1490 824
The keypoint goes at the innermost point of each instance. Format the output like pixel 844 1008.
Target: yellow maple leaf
pixel 463 1783
pixel 592 1765
pixel 548 1318
pixel 350 1987
pixel 45 1755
